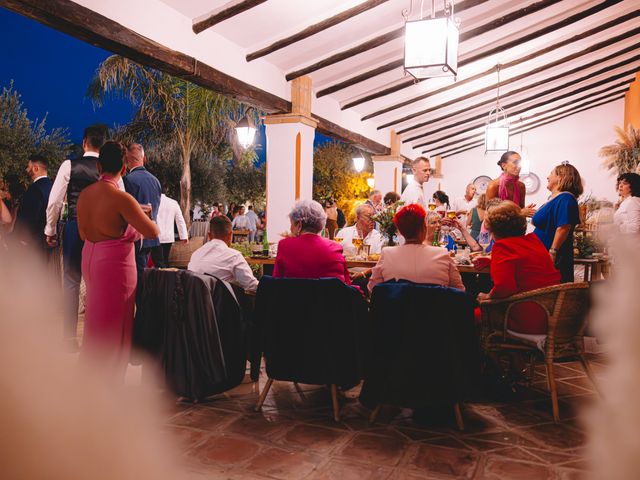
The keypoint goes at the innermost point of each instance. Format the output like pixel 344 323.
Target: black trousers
pixel 160 255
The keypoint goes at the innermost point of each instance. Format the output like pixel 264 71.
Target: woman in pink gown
pixel 110 221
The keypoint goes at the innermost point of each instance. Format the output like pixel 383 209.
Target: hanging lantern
pixel 496 136
pixel 431 45
pixel 358 162
pixel 246 131
pixel 371 182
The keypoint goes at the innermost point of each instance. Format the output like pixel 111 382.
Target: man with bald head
pixel 146 189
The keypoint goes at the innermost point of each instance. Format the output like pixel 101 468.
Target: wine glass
pixel 432 205
pixel 443 238
pixel 484 239
pixel 356 240
pixel 451 214
pixel 338 239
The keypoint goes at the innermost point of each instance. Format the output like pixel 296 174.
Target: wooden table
pixel 365 264
pixel 594 268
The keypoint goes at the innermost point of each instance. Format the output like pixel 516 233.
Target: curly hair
pixel 506 220
pixel 409 220
pixel 633 179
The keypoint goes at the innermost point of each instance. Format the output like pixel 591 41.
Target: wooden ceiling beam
pixel 537 125
pixel 85 24
pixel 225 14
pixel 316 28
pixel 466 60
pixel 515 113
pixel 376 42
pixel 599 61
pixel 572 104
pixel 563 43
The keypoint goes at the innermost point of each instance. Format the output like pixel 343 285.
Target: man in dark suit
pixel 146 189
pixel 32 214
pixel 73 177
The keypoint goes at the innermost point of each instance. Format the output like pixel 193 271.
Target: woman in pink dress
pixel 110 221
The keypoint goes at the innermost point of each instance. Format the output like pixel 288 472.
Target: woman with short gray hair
pixel 308 216
pixel 305 254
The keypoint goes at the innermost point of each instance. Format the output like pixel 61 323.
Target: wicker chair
pixel 566 307
pixel 181 252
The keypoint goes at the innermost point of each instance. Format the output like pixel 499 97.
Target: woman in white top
pixel 415 261
pixel 627 216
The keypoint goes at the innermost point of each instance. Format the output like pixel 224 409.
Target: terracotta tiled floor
pixel 296 438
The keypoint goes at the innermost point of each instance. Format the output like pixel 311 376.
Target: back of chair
pixel 425 349
pixel 180 253
pixel 310 330
pixel 568 319
pixel 192 325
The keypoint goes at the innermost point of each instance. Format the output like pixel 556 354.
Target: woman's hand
pixel 529 210
pixel 483 296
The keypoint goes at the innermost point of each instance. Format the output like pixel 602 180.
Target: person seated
pixel 363 228
pixel 519 263
pixel 415 261
pixel 306 254
pixel 390 198
pixel 218 259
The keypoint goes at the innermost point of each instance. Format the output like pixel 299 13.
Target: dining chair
pixel 311 332
pixel 424 350
pixel 566 307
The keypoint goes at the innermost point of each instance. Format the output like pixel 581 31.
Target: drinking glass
pixel 443 239
pixel 356 240
pixel 484 239
pixel 451 214
pixel 432 205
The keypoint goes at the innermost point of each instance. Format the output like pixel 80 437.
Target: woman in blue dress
pixel 556 220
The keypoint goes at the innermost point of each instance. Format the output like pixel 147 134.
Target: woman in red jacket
pixel 519 263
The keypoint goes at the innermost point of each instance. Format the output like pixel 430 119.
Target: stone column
pixel 289 158
pixel 387 169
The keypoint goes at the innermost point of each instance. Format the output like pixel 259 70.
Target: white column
pixel 289 168
pixel 387 173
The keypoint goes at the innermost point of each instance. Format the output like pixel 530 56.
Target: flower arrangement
pixel 384 219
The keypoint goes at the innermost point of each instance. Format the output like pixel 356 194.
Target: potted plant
pixel 624 155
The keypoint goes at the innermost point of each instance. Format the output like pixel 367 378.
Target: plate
pixel 531 182
pixel 481 183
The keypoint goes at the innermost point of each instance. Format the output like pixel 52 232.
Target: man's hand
pixel 185 241
pixel 52 241
pixel 483 296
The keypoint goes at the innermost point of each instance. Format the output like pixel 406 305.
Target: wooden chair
pixel 566 307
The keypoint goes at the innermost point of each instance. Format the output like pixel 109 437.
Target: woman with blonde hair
pixel 476 216
pixel 557 219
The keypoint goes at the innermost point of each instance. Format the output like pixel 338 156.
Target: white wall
pixel 577 138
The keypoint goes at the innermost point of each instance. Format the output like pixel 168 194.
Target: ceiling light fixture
pixel 496 136
pixel 431 45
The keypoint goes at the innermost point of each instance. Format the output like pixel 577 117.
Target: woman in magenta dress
pixel 110 221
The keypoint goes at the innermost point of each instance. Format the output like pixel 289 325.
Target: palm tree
pixel 172 114
pixel 624 155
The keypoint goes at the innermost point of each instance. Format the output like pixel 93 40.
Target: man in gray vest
pixel 73 177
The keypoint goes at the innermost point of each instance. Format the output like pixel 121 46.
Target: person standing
pixel 464 205
pixel 32 216
pixel 414 191
pixel 508 186
pixel 254 222
pixel 109 222
pixel 72 178
pixel 169 214
pixel 146 189
pixel 557 219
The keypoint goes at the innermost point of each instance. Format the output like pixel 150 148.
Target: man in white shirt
pixel 364 228
pixel 73 177
pixel 466 203
pixel 254 221
pixel 168 213
pixel 217 258
pixel 414 191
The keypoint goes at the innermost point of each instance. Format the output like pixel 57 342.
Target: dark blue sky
pixel 51 70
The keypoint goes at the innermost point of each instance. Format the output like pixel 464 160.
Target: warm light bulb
pixel 358 163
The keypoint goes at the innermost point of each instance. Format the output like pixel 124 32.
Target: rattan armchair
pixel 566 307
